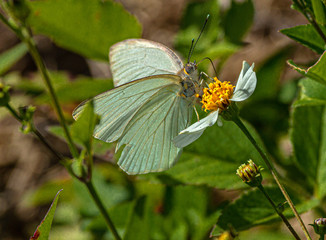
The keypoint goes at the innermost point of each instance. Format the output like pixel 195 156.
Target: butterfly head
pixel 190 68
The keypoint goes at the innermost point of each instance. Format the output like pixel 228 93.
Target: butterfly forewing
pixel 117 107
pixel 138 58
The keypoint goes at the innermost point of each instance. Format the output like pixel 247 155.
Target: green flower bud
pixel 4 95
pixel 26 114
pixel 250 173
pixel 320 226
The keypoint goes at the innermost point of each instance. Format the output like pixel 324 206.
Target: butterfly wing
pixel 148 136
pixel 145 115
pixel 138 58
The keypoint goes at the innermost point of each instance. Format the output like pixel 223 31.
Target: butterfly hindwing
pixel 138 58
pixel 144 115
pixel 148 136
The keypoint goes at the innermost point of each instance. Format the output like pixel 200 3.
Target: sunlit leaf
pixel 43 230
pixel 306 35
pixel 213 159
pixel 316 71
pixel 312 93
pixel 85 27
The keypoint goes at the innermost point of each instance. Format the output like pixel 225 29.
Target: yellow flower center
pixel 217 95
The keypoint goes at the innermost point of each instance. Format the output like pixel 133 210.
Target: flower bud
pixel 4 95
pixel 250 173
pixel 320 226
pixel 26 114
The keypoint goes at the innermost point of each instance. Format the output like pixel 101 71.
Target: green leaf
pixel 312 93
pixel 319 11
pixel 83 128
pixel 307 35
pixel 308 135
pixel 87 27
pixel 43 230
pixel 201 170
pixel 213 159
pixel 238 20
pixel 138 224
pixel 11 56
pixel 252 209
pixel 316 71
pixel 268 76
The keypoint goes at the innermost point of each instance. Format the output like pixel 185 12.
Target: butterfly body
pixel 151 104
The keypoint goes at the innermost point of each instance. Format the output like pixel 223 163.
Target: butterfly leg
pixel 196 112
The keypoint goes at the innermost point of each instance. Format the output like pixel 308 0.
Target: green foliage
pixel 11 56
pixel 316 72
pixel 253 209
pixel 307 35
pixel 309 122
pixel 211 44
pixel 83 128
pixel 85 27
pixel 238 20
pixel 43 230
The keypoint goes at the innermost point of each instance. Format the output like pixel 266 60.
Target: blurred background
pixel 26 165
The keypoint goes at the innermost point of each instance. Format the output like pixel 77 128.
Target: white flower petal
pixel 246 83
pixel 194 131
pixel 184 139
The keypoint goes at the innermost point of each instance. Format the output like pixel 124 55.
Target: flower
pixel 320 226
pixel 217 99
pixel 250 173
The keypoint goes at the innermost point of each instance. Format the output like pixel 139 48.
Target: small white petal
pixel 246 83
pixel 184 139
pixel 193 132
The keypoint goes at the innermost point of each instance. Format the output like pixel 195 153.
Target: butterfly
pixel 151 103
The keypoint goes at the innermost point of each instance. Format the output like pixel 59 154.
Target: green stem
pixel 261 188
pixel 322 237
pixel 310 18
pixel 102 209
pixel 40 64
pixel 264 156
pixel 36 132
pixel 25 35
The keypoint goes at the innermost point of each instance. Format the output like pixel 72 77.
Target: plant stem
pixel 261 188
pixel 102 209
pixel 36 132
pixel 25 35
pixel 40 64
pixel 322 237
pixel 310 18
pixel 264 156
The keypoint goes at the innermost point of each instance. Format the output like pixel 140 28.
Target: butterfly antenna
pixel 190 50
pixel 211 63
pixel 201 31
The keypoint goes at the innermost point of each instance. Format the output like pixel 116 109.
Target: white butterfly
pixel 151 104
